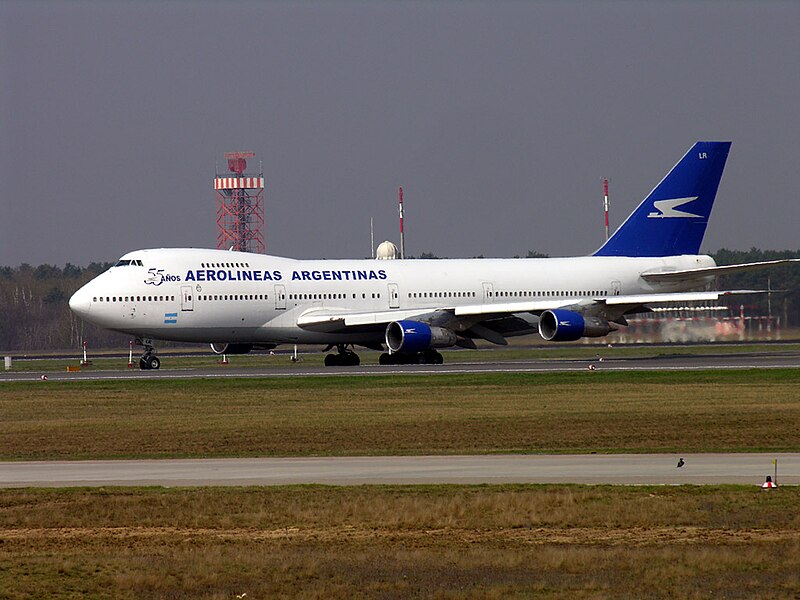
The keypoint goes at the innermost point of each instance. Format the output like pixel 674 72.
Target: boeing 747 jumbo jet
pixel 238 301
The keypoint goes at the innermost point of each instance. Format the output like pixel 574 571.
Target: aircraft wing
pixel 496 321
pixel 331 319
pixel 689 274
pixel 586 304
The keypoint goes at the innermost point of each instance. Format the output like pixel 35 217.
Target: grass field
pixel 399 542
pixel 402 541
pixel 686 412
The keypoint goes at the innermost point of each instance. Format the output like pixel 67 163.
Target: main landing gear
pixel 428 357
pixel 149 359
pixel 345 357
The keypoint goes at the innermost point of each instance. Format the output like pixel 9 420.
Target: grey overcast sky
pixel 499 119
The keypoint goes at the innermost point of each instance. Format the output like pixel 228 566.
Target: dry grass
pixel 437 415
pixel 604 412
pixel 395 542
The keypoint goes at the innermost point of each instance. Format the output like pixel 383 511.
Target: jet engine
pixel 566 326
pixel 218 348
pixel 414 336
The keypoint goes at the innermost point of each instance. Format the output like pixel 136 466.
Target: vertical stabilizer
pixel 672 219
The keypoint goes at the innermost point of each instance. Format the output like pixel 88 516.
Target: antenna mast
pixel 402 233
pixel 605 202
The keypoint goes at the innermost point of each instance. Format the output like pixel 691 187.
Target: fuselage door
pixel 394 296
pixel 488 293
pixel 616 288
pixel 280 297
pixel 187 302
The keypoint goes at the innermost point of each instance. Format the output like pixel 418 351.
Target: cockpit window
pixel 127 263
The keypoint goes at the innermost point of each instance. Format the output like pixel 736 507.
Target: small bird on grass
pixel 680 463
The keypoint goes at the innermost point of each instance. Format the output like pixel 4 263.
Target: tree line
pixel 35 315
pixel 34 309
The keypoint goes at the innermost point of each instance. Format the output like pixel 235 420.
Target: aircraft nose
pixel 80 302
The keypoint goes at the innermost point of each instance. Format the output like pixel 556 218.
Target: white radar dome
pixel 386 251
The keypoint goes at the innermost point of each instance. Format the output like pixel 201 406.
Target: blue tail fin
pixel 672 219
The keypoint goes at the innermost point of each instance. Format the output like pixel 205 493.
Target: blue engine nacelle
pixel 413 336
pixel 566 326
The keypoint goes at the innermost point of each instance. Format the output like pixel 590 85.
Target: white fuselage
pixel 198 295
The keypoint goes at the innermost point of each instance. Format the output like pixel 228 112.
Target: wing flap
pixel 505 308
pixel 645 299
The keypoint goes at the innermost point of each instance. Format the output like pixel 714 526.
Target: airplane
pixel 238 301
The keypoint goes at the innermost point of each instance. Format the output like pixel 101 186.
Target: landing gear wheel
pixel 344 358
pixel 149 361
pixel 431 357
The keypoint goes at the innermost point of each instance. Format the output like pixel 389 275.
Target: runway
pixel 625 469
pixel 676 362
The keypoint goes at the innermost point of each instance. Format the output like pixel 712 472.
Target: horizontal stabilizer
pixel 689 274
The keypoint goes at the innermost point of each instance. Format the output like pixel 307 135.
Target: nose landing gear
pixel 149 360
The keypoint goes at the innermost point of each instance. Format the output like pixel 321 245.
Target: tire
pixel 143 364
pixel 331 360
pixel 385 359
pixel 153 362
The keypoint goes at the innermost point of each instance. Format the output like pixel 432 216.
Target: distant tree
pixel 55 296
pixel 99 267
pixel 535 254
pixel 428 255
pixel 72 271
pixel 46 272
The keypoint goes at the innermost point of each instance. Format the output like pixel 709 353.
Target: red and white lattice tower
pixel 240 206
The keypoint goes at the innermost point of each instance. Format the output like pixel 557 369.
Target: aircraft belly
pixel 279 335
